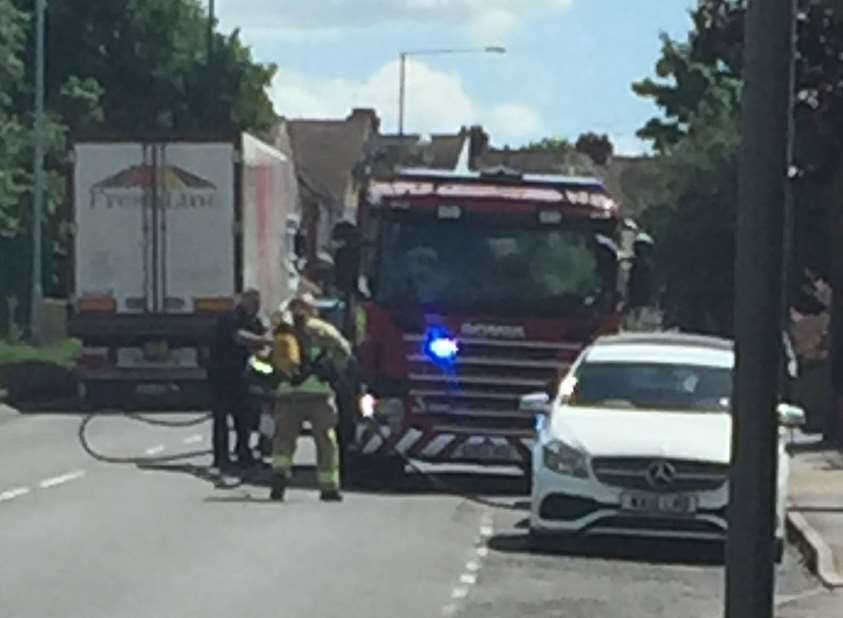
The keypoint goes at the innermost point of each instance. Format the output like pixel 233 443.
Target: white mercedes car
pixel 637 442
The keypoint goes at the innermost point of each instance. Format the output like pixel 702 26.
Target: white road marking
pixel 487 531
pixel 449 611
pixel 459 593
pixel 194 439
pixel 60 480
pixel 155 450
pixel 468 578
pixel 472 566
pixel 11 494
pixel 482 551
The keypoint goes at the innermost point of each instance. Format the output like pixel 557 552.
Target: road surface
pixel 83 538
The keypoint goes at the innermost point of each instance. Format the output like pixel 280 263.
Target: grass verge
pixel 38 373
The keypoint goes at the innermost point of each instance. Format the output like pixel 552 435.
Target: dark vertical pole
pixel 211 23
pixel 39 179
pixel 750 569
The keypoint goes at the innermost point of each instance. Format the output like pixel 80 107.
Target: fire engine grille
pixel 483 386
pixel 684 476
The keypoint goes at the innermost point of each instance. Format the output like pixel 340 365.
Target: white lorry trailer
pixel 167 232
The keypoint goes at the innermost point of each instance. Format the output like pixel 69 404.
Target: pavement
pixel 816 509
pixel 84 538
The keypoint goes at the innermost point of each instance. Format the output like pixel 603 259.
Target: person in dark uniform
pixel 238 335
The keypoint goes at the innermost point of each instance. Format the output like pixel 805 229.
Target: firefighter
pixel 309 396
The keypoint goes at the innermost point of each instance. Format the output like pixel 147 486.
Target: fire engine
pixel 474 289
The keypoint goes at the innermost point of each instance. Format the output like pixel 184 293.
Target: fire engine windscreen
pixel 505 271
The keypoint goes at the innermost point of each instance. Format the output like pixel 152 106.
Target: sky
pixel 568 66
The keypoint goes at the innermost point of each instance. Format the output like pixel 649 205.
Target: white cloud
pixel 513 122
pixel 630 144
pixel 436 102
pixel 490 17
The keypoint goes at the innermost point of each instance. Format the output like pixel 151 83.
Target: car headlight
pixel 565 459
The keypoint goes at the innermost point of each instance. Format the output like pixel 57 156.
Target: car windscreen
pixel 652 386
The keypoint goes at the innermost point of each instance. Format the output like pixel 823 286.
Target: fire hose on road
pixel 432 479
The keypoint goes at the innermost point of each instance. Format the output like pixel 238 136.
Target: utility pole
pixel 211 23
pixel 38 189
pixel 767 125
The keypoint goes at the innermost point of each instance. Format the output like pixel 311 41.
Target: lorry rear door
pixel 195 239
pixel 113 185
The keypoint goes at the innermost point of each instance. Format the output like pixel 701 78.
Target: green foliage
pixel 698 89
pixel 62 354
pixel 598 148
pixel 693 216
pixel 555 144
pixel 114 66
pixel 12 133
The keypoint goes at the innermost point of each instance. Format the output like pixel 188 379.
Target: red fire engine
pixel 476 288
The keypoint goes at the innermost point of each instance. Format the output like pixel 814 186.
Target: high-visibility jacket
pixel 325 355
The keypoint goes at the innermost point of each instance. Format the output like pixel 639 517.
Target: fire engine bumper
pixel 444 444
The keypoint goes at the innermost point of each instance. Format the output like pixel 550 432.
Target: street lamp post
pixel 402 78
pixel 38 189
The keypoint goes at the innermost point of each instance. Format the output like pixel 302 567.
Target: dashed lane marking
pixel 11 494
pixel 468 578
pixel 60 480
pixel 155 450
pixel 459 593
pixel 194 439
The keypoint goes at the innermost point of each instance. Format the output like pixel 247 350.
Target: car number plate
pixel 670 504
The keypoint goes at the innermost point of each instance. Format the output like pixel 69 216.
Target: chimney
pixel 478 143
pixel 367 115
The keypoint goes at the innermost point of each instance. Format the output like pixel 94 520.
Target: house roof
pixel 441 151
pixel 536 161
pixel 326 151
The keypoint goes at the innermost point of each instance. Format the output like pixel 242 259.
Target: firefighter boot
pixel 331 495
pixel 279 486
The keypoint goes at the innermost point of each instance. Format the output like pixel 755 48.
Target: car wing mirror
pixel 790 416
pixel 535 403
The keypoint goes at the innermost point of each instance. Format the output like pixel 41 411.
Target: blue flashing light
pixel 441 347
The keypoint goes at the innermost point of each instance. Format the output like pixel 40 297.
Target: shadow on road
pixel 489 487
pixel 611 548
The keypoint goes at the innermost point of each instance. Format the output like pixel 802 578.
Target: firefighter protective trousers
pixel 291 411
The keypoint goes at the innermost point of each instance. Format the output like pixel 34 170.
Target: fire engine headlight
pixel 564 459
pixel 368 405
pixel 390 409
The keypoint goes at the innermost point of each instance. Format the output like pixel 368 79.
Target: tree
pixel 555 144
pixel 598 148
pixel 705 72
pixel 12 132
pixel 114 66
pixel 150 57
